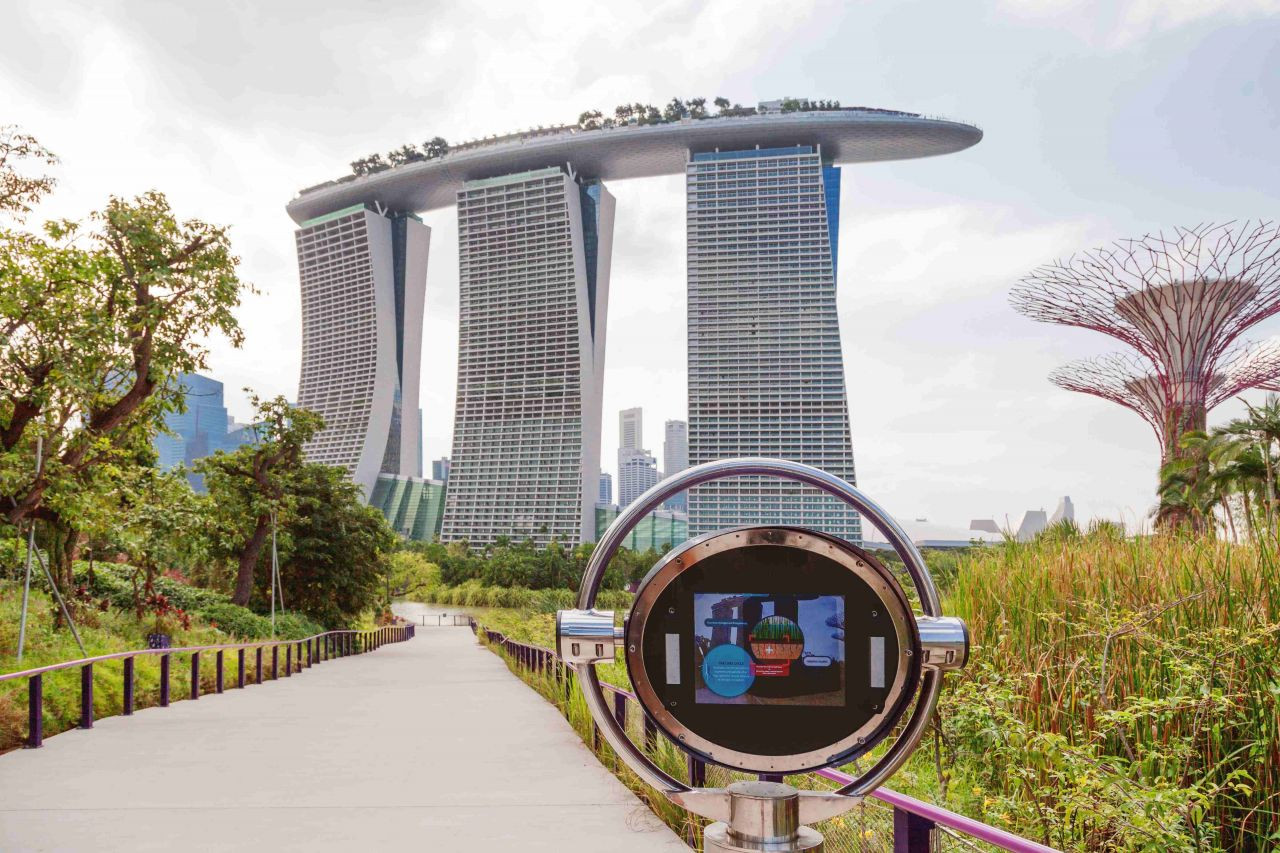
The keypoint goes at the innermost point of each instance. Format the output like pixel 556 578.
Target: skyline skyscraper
pixel 606 489
pixel 766 375
pixel 637 473
pixel 533 258
pixel 363 288
pixel 675 458
pixel 202 430
pixel 631 429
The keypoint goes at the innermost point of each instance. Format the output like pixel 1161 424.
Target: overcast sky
pixel 1102 120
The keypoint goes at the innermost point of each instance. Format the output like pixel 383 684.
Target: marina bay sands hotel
pixel 535 241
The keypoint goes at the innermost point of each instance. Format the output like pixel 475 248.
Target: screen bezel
pixel 687 726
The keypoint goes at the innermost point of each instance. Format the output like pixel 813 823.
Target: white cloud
pixel 1121 24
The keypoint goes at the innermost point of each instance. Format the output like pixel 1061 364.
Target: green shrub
pixel 240 622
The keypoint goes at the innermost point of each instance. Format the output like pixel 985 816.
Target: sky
pixel 1102 120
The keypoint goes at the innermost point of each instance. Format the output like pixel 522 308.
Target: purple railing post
pixel 288 660
pixel 86 696
pixel 35 711
pixel 128 687
pixel 650 733
pixel 310 642
pixel 164 681
pixel 620 710
pixel 257 670
pixel 217 681
pixel 195 675
pixel 912 833
pixel 697 772
pixel 240 668
pixel 275 662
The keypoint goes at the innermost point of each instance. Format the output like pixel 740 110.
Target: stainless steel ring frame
pixel 931 681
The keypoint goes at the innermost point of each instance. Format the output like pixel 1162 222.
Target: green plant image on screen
pixel 769 649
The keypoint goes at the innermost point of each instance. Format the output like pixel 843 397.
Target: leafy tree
pixel 94 323
pixel 434 147
pixel 158 521
pixel 18 189
pixel 251 484
pixel 336 551
pixel 409 572
pixel 697 107
pixel 405 154
pixel 722 104
pixel 590 120
pixel 675 110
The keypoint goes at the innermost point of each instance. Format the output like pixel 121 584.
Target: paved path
pixel 427 745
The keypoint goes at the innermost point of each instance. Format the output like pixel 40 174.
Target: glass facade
pixel 412 506
pixel 202 430
pixel 659 530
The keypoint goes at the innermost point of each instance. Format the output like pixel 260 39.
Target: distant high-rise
pixel 766 375
pixel 1066 511
pixel 637 473
pixel 631 429
pixel 363 284
pixel 440 469
pixel 675 458
pixel 533 259
pixel 606 489
pixel 202 430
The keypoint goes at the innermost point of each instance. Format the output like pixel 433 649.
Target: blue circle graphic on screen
pixel 726 669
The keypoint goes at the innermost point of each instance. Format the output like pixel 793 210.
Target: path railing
pixel 915 827
pixel 298 655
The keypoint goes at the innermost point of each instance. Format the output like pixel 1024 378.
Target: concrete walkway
pixel 427 745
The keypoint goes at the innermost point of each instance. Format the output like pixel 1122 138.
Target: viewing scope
pixel 769 649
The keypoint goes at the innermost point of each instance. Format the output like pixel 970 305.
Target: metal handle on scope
pixel 585 636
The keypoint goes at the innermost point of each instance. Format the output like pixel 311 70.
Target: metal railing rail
pixel 318 648
pixel 914 821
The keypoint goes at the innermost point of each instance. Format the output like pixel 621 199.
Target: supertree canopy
pixel 1181 302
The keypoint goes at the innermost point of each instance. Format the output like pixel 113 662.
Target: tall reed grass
pixel 1125 694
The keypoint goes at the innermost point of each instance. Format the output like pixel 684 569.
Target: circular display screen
pixel 772 649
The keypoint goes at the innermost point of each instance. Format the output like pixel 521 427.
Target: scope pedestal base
pixel 764 817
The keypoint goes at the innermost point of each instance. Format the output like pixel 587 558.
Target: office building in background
pixel 675 458
pixel 440 469
pixel 202 430
pixel 606 489
pixel 637 473
pixel 533 258
pixel 766 375
pixel 630 429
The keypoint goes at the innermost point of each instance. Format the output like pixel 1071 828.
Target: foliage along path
pixel 431 742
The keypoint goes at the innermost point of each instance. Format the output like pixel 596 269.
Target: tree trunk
pixel 249 561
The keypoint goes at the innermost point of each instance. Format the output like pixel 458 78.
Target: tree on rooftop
pixel 434 147
pixel 722 104
pixel 697 107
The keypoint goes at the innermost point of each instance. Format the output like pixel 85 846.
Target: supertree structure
pixel 1181 302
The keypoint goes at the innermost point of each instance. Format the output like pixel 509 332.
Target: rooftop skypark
pixel 638 141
